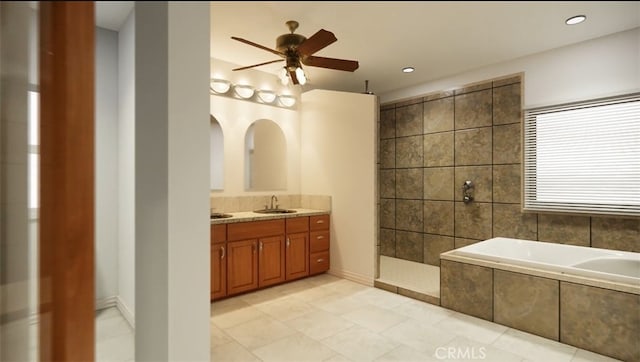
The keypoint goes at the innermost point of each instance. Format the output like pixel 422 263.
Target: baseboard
pixel 355 277
pixel 105 303
pixel 126 312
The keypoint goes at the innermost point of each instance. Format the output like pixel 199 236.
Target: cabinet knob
pixel 222 252
pixel 320 260
pixel 320 222
pixel 320 237
pixel 288 242
pixel 261 246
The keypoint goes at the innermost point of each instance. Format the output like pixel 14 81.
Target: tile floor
pixel 114 336
pixel 324 318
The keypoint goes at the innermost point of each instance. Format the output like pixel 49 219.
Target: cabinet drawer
pixel 297 224
pixel 318 241
pixel 319 262
pixel 320 222
pixel 218 233
pixel 254 229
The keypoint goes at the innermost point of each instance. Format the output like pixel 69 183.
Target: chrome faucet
pixel 273 197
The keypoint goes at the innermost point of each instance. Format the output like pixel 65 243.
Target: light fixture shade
pixel 287 100
pixel 266 96
pixel 284 76
pixel 243 91
pixel 302 78
pixel 220 86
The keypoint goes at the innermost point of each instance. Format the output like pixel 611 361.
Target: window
pixel 584 157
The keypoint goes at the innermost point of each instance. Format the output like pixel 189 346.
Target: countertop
pixel 245 216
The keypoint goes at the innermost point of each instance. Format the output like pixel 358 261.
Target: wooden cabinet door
pixel 242 266
pixel 218 270
pixel 297 256
pixel 271 260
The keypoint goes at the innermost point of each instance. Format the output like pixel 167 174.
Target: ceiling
pixel 438 38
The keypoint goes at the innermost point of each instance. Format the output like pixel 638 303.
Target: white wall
pixel 126 168
pixel 235 117
pixel 172 181
pixel 596 68
pixel 338 134
pixel 106 163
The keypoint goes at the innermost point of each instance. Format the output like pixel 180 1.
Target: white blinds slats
pixel 584 157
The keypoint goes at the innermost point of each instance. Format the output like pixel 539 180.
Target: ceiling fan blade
pixel 257 65
pixel 294 78
pixel 258 46
pixel 317 41
pixel 331 63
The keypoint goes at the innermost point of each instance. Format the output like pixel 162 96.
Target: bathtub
pixel 602 264
pixel 585 297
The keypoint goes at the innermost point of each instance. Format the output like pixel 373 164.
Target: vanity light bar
pixel 244 91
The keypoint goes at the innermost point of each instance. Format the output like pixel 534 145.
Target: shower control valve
pixel 467 186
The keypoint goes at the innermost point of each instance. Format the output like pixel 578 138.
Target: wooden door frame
pixel 66 281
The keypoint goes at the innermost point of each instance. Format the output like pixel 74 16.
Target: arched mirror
pixel 266 157
pixel 216 150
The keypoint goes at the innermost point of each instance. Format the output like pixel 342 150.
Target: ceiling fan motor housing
pixel 289 42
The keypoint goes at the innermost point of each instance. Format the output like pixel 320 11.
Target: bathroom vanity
pixel 250 251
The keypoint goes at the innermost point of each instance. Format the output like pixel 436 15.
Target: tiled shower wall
pixel 430 145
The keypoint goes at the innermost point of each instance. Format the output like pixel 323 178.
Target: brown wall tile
pixel 409 120
pixel 388 213
pixel 473 220
pixel 438 149
pixel 387 242
pixel 600 320
pixel 473 147
pixel 409 152
pixel 437 95
pixel 527 303
pixel 618 234
pixel 473 110
pixel 564 229
pixel 481 176
pixel 409 183
pixel 409 215
pixel 438 115
pixel 461 242
pixel 387 183
pixel 409 246
pixel 438 183
pixel 467 289
pixel 388 123
pixel 507 80
pixel 438 217
pixel 507 104
pixel 434 245
pixel 473 88
pixel 506 144
pixel 510 222
pixel 506 183
pixel 388 153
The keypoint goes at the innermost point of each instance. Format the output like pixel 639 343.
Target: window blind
pixel 584 157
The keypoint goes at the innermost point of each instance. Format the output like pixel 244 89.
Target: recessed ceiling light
pixel 575 20
pixel 408 69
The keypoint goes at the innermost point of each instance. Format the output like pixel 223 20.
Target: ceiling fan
pixel 296 50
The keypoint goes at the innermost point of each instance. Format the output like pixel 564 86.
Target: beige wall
pixel 430 145
pixel 338 150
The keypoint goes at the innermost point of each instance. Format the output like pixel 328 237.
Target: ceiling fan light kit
pixel 296 49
